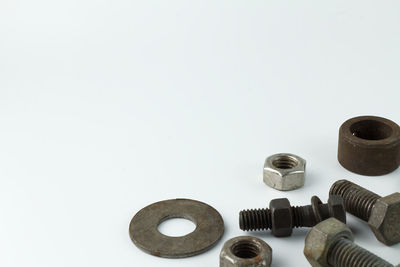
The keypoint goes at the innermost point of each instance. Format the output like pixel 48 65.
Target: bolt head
pixel 245 251
pixel 385 219
pixel 336 207
pixel 321 237
pixel 284 171
pixel 281 217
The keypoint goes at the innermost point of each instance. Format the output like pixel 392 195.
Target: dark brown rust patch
pixel 369 145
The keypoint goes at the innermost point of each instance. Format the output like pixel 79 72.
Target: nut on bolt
pixel 281 217
pixel 284 171
pixel 245 251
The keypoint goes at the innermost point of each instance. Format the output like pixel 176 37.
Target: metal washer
pixel 145 235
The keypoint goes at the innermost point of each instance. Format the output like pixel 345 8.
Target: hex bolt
pixel 344 252
pixel 281 217
pixel 381 213
pixel 330 244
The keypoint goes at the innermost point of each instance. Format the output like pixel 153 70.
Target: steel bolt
pixel 281 217
pixel 381 213
pixel 330 244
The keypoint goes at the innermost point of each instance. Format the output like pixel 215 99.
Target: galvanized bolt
pixel 330 244
pixel 381 213
pixel 281 217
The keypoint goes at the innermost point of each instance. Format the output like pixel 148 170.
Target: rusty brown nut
pixel 369 145
pixel 245 251
pixel 284 171
pixel 321 238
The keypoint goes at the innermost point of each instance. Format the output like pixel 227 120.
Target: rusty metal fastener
pixel 245 251
pixel 369 145
pixel 284 171
pixel 281 217
pixel 381 213
pixel 330 244
pixel 144 233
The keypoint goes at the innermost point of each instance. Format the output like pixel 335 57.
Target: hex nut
pixel 245 251
pixel 281 217
pixel 385 218
pixel 284 171
pixel 336 207
pixel 321 237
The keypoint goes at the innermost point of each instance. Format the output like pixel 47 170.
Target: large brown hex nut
pixel 245 251
pixel 369 145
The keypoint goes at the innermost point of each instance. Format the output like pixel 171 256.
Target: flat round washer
pixel 145 235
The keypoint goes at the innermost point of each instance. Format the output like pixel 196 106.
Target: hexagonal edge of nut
pixel 384 219
pixel 245 244
pixel 321 237
pixel 284 179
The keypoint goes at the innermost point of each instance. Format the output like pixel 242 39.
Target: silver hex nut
pixel 284 171
pixel 245 251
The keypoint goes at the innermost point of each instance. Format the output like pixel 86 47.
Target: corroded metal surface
pixel 145 235
pixel 330 244
pixel 381 213
pixel 281 217
pixel 245 251
pixel 369 145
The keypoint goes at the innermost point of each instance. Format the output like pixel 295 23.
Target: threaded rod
pixel 357 200
pixel 345 253
pixel 255 220
pixel 260 219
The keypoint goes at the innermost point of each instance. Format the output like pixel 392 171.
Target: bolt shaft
pixel 255 220
pixel 345 253
pixel 357 200
pixel 260 219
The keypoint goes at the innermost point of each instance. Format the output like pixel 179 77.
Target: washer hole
pixel 176 226
pixel 371 130
pixel 245 249
pixel 285 162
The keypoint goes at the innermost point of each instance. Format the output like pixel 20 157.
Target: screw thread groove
pixel 345 253
pixel 255 220
pixel 300 216
pixel 357 200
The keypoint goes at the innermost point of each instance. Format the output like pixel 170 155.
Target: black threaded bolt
pixel 281 217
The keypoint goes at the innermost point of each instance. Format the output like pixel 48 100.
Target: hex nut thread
pixel 245 250
pixel 345 253
pixel 260 219
pixel 357 200
pixel 255 220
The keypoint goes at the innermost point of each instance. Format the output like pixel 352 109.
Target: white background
pixel 108 106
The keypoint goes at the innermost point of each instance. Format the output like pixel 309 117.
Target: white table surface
pixel 108 106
